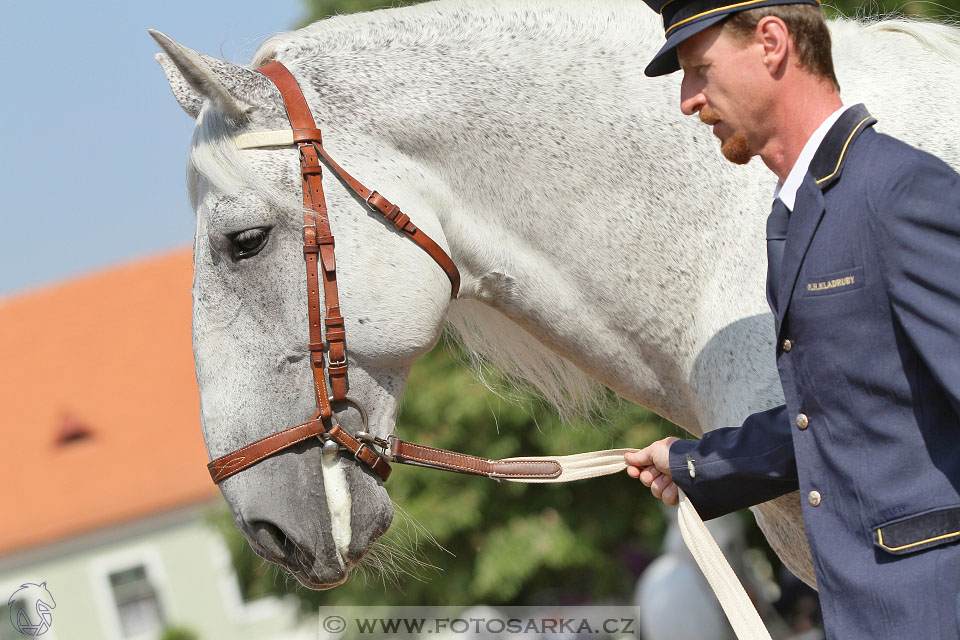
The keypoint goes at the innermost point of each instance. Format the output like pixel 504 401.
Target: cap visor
pixel 666 59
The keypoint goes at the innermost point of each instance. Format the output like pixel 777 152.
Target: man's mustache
pixel 709 116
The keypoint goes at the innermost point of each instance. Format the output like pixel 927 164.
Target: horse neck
pixel 574 220
pixel 622 292
pixel 565 204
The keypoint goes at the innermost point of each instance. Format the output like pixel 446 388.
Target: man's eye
pixel 248 243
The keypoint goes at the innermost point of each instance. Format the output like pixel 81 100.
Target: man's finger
pixel 641 458
pixel 659 484
pixel 671 495
pixel 661 481
pixel 649 474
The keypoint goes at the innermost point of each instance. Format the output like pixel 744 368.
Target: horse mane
pixel 492 340
pixel 941 38
pixel 445 21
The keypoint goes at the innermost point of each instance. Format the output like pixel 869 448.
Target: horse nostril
pixel 268 537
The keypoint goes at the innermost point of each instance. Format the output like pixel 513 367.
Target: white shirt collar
pixel 787 190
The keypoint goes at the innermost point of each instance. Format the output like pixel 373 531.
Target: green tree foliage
pixel 178 633
pixel 460 539
pixel 319 9
pixel 941 10
pixel 927 9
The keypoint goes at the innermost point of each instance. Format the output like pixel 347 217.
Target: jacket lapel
pixel 825 170
pixel 807 212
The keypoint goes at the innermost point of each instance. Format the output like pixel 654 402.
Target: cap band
pixel 695 5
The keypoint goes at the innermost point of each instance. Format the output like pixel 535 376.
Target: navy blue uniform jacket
pixel 868 350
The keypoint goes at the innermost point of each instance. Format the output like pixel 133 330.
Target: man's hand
pixel 652 466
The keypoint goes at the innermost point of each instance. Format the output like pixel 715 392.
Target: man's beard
pixel 736 148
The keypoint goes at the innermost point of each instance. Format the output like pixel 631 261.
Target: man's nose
pixel 691 98
pixel 691 104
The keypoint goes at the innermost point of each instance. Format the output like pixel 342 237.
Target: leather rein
pixel 318 251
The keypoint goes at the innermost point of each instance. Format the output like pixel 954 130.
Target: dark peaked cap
pixel 684 18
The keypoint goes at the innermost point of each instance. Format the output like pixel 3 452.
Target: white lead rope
pixel 733 598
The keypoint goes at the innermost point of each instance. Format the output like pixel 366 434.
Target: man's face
pixel 723 81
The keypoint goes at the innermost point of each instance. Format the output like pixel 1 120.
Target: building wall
pixel 187 565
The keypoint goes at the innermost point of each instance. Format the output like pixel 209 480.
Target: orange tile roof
pixel 105 364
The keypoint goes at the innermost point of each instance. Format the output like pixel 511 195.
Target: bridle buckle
pixel 385 445
pixel 369 198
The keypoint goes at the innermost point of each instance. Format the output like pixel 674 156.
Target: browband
pixel 275 138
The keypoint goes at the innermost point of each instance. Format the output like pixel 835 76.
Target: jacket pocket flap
pixel 922 531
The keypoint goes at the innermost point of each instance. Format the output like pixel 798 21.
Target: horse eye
pixel 249 243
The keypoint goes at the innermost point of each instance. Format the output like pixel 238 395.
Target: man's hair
pixel 806 25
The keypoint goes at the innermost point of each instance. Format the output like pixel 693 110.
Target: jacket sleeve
pixel 916 225
pixel 732 468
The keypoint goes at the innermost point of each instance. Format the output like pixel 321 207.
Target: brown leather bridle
pixel 318 251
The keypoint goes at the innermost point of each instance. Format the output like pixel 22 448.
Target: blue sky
pixel 94 147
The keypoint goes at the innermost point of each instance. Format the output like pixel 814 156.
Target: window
pixel 24 612
pixel 138 607
pixel 7 630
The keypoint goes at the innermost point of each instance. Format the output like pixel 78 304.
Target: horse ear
pixel 190 100
pixel 194 77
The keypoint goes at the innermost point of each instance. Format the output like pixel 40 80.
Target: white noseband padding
pixel 277 138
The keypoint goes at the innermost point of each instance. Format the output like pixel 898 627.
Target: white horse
pixel 601 237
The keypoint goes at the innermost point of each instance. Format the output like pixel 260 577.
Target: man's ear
pixel 773 35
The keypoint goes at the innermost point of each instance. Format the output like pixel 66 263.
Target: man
pixel 864 283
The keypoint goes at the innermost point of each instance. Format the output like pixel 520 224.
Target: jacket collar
pixel 828 161
pixel 786 189
pixel 825 170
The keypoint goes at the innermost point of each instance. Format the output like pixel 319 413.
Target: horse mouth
pixel 311 572
pixel 308 542
pixel 309 581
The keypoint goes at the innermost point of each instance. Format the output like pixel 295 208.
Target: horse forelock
pixel 215 157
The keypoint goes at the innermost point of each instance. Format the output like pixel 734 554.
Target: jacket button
pixel 802 421
pixel 814 498
pixel 787 345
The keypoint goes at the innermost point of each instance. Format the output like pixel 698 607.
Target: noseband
pixel 318 252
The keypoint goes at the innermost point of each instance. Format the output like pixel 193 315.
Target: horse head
pixel 316 514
